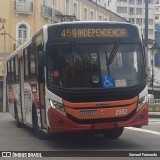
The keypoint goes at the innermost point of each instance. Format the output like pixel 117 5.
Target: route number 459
pixel 120 112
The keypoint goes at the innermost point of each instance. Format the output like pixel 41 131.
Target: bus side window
pixel 9 72
pixel 41 61
pixel 16 70
pixel 12 71
pixel 33 62
pixel 26 77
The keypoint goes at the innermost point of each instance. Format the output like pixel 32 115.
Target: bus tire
pixel 113 133
pixel 38 133
pixel 18 123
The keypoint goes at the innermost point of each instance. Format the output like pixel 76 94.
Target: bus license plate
pixel 88 112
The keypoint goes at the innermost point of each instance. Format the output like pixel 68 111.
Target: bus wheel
pixel 113 133
pixel 18 123
pixel 40 134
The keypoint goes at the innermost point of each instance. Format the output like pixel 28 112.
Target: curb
pixel 154 114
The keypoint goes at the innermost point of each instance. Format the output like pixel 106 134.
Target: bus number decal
pixel 120 112
pixel 99 32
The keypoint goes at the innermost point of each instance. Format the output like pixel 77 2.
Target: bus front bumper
pixel 60 123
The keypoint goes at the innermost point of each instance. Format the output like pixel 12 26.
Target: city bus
pixel 79 77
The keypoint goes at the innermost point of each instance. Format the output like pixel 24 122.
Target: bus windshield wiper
pixel 112 55
pixel 113 52
pixel 80 51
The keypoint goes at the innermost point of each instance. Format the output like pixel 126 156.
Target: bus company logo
pixel 6 154
pixel 102 112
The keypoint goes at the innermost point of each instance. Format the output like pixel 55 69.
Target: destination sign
pixel 99 32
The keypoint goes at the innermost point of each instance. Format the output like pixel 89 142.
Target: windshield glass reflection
pixel 94 65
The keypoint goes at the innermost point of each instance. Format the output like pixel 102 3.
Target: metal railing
pixel 24 8
pixel 51 13
pixel 153 101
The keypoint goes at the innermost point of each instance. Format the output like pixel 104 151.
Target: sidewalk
pixel 154 114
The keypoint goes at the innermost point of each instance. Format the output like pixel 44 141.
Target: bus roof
pixel 94 29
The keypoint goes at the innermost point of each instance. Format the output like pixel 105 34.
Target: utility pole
pixel 4 73
pixel 146 32
pixel 152 74
pixel 3 21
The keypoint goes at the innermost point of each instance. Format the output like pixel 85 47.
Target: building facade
pixel 157 11
pixel 20 19
pixel 133 11
pixel 25 17
pixel 103 3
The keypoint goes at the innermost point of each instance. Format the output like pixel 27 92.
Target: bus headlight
pixel 141 102
pixel 57 105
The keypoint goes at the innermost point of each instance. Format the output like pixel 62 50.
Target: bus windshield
pixel 82 65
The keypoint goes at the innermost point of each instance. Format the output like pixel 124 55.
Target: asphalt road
pixel 133 140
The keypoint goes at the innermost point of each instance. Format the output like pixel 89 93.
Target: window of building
pixel 139 21
pixel 108 2
pixel 150 31
pixel 122 9
pixel 132 20
pixel 131 10
pixel 75 9
pixel 54 3
pixel 151 11
pixel 45 2
pixel 105 5
pixel 139 1
pixel 157 17
pixel 85 14
pixel 100 18
pixel 22 33
pixel 105 18
pixel 138 10
pixel 92 16
pixel 150 1
pixel 67 9
pixel 150 21
pixel 131 1
pixel 156 1
pixel 156 9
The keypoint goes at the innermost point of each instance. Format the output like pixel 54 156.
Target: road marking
pixel 144 130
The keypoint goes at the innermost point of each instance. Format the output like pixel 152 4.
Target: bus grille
pixel 102 120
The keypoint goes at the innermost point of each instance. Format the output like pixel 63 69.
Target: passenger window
pixel 12 71
pixel 16 70
pixel 26 64
pixel 32 63
pixel 8 72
